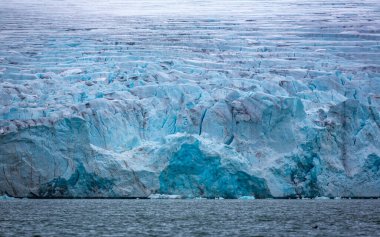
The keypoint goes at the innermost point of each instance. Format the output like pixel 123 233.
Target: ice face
pixel 190 101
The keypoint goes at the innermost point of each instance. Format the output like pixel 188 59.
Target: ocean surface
pixel 123 217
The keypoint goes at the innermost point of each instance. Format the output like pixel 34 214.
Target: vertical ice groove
pixel 201 121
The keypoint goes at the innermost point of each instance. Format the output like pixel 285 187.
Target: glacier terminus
pixel 192 99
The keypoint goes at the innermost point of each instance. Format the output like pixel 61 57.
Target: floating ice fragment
pixel 6 197
pixel 322 198
pixel 164 196
pixel 247 198
pixel 200 198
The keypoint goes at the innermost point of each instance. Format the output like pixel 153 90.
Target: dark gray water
pixel 190 217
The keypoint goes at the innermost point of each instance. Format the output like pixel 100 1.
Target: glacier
pixel 211 99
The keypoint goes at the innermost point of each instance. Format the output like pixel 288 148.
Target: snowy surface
pixel 191 98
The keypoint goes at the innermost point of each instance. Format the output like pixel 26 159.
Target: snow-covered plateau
pixel 212 99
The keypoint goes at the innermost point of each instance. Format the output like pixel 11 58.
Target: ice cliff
pixel 259 102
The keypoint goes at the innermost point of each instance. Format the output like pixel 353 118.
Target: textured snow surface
pixel 191 98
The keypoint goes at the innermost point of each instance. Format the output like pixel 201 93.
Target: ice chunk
pixel 6 197
pixel 322 198
pixel 247 198
pixel 164 196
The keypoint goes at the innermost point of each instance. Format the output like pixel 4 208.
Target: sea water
pixel 124 217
